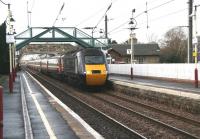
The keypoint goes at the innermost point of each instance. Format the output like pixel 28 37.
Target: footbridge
pixel 58 34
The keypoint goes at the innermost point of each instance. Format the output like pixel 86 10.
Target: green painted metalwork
pixel 58 34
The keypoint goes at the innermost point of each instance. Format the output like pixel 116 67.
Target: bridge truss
pixel 58 34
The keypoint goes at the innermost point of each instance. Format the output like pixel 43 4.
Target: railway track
pixel 123 117
pixel 117 129
pixel 164 112
pixel 128 109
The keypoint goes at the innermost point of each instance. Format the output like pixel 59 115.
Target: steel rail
pixel 125 128
pixel 149 118
pixel 178 117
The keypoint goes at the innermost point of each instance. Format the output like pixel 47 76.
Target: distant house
pixel 143 53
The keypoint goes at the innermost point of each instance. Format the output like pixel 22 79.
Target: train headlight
pixel 105 71
pixel 88 72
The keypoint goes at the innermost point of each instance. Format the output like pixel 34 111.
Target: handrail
pixel 73 32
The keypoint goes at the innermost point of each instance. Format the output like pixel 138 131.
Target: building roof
pixel 139 49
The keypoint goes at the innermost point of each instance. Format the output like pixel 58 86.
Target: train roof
pixel 84 50
pixel 56 56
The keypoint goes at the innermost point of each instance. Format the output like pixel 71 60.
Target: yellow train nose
pixel 96 74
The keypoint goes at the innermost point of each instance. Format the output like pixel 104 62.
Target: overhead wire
pixel 147 16
pixel 166 15
pixel 59 13
pixel 102 16
pixel 33 4
pixel 3 2
pixel 158 6
pixel 161 5
pixel 29 11
pixel 163 16
pixel 88 18
pixel 93 15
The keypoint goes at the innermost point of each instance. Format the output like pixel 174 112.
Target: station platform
pixel 30 112
pixel 163 86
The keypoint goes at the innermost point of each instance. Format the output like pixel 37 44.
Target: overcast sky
pixel 162 16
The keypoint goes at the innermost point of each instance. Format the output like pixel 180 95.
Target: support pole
pixel 190 24
pixel 196 50
pixel 131 73
pixel 11 74
pixel 132 55
pixel 15 60
pixel 13 63
pixel 196 77
pixel 106 26
pixel 10 54
pixel 1 112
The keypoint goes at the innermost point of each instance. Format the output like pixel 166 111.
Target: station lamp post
pixel 132 27
pixel 10 40
pixel 195 53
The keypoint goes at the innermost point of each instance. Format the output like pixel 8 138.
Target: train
pixel 86 67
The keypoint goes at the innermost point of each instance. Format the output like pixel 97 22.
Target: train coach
pixel 85 67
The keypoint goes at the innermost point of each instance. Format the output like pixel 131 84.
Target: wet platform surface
pixel 179 88
pixel 24 119
pixel 28 114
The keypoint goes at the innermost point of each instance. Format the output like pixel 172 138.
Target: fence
pixel 175 71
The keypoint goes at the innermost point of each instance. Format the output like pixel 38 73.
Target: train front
pixel 96 69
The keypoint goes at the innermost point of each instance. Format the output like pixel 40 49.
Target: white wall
pixel 176 71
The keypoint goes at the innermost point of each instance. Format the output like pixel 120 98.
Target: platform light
pixel 132 27
pixel 11 41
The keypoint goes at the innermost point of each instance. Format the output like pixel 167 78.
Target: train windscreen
pixel 94 60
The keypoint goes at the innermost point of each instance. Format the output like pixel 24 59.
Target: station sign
pixel 128 51
pixel 10 39
pixel 195 40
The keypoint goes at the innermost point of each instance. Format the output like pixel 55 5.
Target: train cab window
pixel 94 60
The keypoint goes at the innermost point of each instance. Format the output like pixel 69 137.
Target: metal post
pixel 132 24
pixel 10 74
pixel 1 112
pixel 13 62
pixel 27 16
pixel 106 26
pixel 131 36
pixel 196 82
pixel 195 50
pixel 190 7
pixel 10 54
pixel 196 77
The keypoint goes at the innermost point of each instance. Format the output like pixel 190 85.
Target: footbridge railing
pixel 58 34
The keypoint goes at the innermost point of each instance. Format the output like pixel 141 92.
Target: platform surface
pixel 45 121
pixel 176 88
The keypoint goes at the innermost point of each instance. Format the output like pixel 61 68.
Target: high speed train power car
pixel 86 66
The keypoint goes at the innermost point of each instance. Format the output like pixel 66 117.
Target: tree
pixel 152 38
pixel 114 42
pixel 174 46
pixel 4 51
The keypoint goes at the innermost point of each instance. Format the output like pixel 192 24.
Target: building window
pixel 140 59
